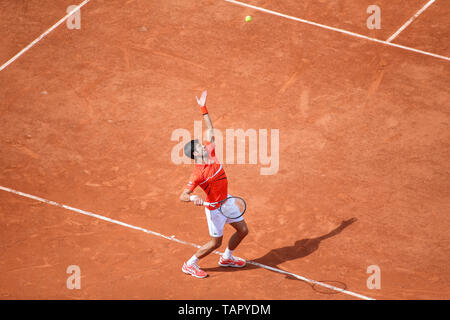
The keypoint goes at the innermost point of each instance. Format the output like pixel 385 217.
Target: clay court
pixel 86 173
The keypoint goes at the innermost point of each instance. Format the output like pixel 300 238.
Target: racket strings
pixel 240 204
pixel 233 207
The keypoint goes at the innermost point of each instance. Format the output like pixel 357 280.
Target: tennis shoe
pixel 194 270
pixel 232 262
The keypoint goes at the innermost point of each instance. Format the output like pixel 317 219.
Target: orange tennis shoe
pixel 232 262
pixel 194 270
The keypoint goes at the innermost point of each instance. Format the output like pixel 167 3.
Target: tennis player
pixel 210 176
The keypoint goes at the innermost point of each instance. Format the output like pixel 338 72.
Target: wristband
pixel 204 110
pixel 193 197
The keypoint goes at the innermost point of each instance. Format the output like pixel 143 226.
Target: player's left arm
pixel 210 129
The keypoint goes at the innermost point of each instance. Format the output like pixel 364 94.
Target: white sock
pixel 227 254
pixel 192 260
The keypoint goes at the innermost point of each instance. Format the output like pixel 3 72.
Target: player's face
pixel 201 150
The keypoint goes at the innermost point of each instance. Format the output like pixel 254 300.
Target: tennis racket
pixel 231 207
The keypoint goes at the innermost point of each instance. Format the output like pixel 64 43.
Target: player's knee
pixel 243 231
pixel 216 243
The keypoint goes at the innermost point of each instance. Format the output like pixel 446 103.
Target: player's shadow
pixel 300 249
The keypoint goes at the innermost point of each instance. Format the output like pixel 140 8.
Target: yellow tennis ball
pixel 248 18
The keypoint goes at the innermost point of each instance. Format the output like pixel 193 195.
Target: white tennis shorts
pixel 216 222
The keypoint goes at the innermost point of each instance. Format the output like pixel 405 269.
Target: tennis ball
pixel 248 18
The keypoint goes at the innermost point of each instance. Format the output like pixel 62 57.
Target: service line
pixel 403 27
pixel 353 34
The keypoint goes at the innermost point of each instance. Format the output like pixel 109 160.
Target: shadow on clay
pixel 300 249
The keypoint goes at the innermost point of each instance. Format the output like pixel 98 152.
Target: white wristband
pixel 193 197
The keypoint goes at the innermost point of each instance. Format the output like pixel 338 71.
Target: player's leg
pixel 209 247
pixel 227 259
pixel 239 235
pixel 191 267
pixel 216 223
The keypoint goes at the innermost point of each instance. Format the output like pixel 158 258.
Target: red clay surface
pixel 87 118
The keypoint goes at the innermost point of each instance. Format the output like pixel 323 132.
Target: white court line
pixel 410 21
pixel 245 5
pixel 172 238
pixel 7 63
pixel 353 34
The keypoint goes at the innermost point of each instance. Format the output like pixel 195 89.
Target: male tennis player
pixel 210 176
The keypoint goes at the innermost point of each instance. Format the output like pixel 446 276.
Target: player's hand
pixel 198 201
pixel 202 101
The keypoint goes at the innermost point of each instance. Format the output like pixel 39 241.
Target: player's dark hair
pixel 189 148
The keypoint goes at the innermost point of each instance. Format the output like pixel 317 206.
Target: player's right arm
pixel 186 197
pixel 194 181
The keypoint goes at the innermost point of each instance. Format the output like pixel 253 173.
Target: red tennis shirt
pixel 210 177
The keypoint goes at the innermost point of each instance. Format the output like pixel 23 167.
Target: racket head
pixel 233 207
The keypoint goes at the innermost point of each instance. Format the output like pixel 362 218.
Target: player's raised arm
pixel 202 103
